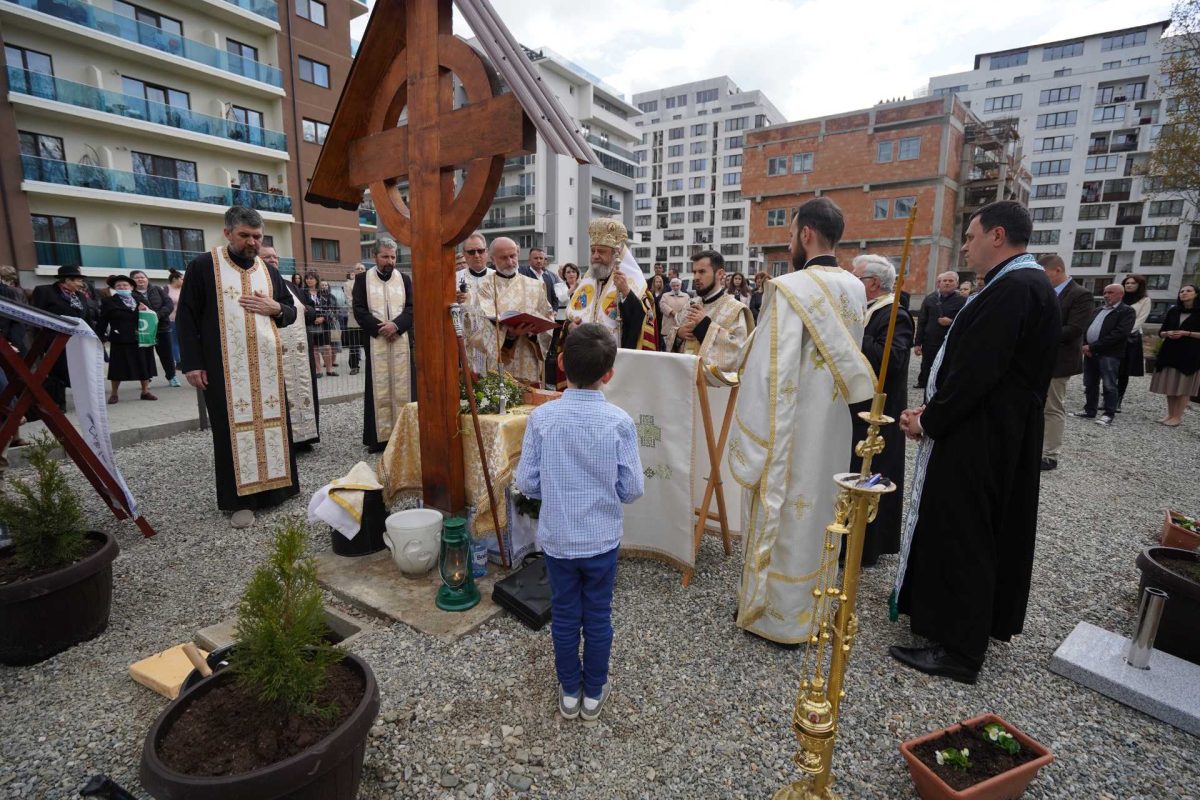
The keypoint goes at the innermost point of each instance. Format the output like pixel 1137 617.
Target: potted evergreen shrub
pixel 55 577
pixel 287 719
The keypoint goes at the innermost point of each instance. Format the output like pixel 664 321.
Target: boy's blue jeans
pixel 581 591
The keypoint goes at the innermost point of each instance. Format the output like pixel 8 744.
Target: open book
pixel 518 318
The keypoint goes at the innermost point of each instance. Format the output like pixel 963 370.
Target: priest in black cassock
pixel 229 308
pixel 971 520
pixel 879 279
pixel 382 304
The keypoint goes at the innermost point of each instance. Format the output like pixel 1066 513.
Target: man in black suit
pixel 938 310
pixel 1075 303
pixel 1103 349
pixel 537 270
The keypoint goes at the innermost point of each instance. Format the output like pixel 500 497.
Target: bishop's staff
pixel 815 715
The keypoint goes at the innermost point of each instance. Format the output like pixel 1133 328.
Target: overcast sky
pixel 810 57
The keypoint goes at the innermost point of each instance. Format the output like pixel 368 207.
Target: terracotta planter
pixel 1179 628
pixel 1176 535
pixel 1005 786
pixel 52 612
pixel 329 770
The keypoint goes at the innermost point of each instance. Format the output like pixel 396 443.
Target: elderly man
pixel 383 305
pixel 537 269
pixel 614 292
pixel 938 310
pixel 1103 349
pixel 1075 305
pixel 519 350
pixel 717 327
pixel 672 307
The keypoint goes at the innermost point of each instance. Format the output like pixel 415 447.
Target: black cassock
pixel 371 326
pixel 972 551
pixel 883 534
pixel 199 330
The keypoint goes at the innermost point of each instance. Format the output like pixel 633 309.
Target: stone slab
pixel 1167 691
pixel 347 628
pixel 164 672
pixel 375 584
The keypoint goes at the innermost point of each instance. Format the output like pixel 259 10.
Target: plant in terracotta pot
pixel 288 718
pixel 1180 530
pixel 55 577
pixel 983 758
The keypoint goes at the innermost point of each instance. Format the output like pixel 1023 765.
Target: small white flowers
pixel 941 759
pixel 965 752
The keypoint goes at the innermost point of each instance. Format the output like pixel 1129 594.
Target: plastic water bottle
pixel 479 558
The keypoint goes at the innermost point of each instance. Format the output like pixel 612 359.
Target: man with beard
pixel 230 307
pixel 299 369
pixel 966 553
pixel 792 435
pixel 516 349
pixel 717 327
pixel 614 292
pixel 383 305
pixel 467 282
pixel 938 310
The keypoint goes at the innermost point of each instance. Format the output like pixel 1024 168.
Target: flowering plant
pixel 490 389
pixel 955 758
pixel 995 733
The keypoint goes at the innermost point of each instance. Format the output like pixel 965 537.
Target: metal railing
pixel 525 221
pixel 615 149
pixel 264 8
pixel 513 192
pixel 123 259
pixel 606 202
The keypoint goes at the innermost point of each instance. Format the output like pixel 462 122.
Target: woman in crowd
pixel 336 317
pixel 1133 363
pixel 174 285
pixel 756 297
pixel 298 280
pixel 126 361
pixel 1178 372
pixel 570 275
pixel 318 333
pixel 658 287
pixel 738 287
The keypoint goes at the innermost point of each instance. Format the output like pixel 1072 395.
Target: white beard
pixel 508 273
pixel 602 272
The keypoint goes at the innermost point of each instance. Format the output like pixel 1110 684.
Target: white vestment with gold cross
pixel 791 435
pixel 391 387
pixel 729 326
pixel 472 282
pixel 526 359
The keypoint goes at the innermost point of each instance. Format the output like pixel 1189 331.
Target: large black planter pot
pixel 1179 630
pixel 52 612
pixel 329 770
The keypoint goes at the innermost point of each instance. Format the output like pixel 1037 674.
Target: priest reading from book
pixel 383 306
pixel 614 292
pixel 230 307
pixel 508 326
pixel 716 324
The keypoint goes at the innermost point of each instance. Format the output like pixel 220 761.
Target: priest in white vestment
pixel 467 281
pixel 717 325
pixel 792 431
pixel 383 305
pixel 516 349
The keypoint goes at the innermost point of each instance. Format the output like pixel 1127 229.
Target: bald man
pixel 517 350
pixel 938 310
pixel 1103 349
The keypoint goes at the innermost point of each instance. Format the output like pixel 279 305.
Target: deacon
pixel 614 292
pixel 230 309
pixel 967 550
pixel 299 368
pixel 467 282
pixel 792 435
pixel 878 278
pixel 383 306
pixel 516 349
pixel 716 328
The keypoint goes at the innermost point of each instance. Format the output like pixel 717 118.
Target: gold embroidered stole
pixel 254 386
pixel 586 304
pixel 297 376
pixel 390 387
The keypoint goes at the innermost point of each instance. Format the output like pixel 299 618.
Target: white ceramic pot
pixel 414 536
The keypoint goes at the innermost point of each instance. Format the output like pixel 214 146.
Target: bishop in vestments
pixel 517 350
pixel 230 308
pixel 614 292
pixel 382 301
pixel 792 431
pixel 715 329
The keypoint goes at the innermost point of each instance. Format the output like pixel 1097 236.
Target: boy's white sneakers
pixel 593 707
pixel 568 704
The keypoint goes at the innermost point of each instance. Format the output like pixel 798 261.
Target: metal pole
pixel 1149 614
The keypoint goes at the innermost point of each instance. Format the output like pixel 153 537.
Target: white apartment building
pixel 1088 110
pixel 687 194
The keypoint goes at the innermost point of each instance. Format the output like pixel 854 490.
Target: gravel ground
pixel 699 709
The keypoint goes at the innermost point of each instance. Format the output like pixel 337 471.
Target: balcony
pixel 1098 149
pixel 517 162
pixel 368 217
pixel 616 165
pixel 606 202
pixel 1108 244
pixel 264 8
pixel 615 149
pixel 524 221
pixel 85 176
pixel 102 21
pixel 513 192
pixel 122 259
pixel 47 87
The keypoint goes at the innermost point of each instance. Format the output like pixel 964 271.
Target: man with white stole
pixel 230 308
pixel 716 324
pixel 466 286
pixel 792 432
pixel 614 292
pixel 382 303
pixel 299 368
pixel 518 350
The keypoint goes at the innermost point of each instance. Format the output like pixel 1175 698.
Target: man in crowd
pixel 229 308
pixel 803 368
pixel 1075 307
pixel 158 301
pixel 352 335
pixel 967 549
pixel 519 350
pixel 614 293
pixel 537 269
pixel 672 307
pixel 299 367
pixel 938 310
pixel 717 327
pixel 1103 349
pixel 382 300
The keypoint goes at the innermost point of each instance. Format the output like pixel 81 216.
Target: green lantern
pixel 458 591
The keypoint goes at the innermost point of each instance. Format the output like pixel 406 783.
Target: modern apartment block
pixel 129 128
pixel 876 164
pixel 688 193
pixel 1088 110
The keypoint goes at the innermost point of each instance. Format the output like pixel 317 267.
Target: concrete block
pixel 345 631
pixel 164 672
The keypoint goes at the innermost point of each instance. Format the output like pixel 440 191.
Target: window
pixel 1102 163
pixel 802 162
pixel 949 90
pixel 1166 208
pixel 1044 237
pixel 902 207
pixel 1063 94
pixel 252 119
pixel 777 218
pixel 697 182
pixel 43 157
pixel 732 231
pixel 1158 283
pixel 1156 233
pixel 1129 214
pixel 1057 167
pixel 881 209
pixel 675 168
pixel 325 249
pixel 706 96
pixel 732 215
pixel 1060 119
pixel 311 10
pixel 677 218
pixel 777 165
pixel 639 188
pixel 1112 64
pixel 56 240
pixel 314 72
pixel 1021 79
pixel 673 101
pixel 22 63
pixel 734 160
pixel 910 148
pixel 674 150
pixel 162 95
pixel 1062 73
pixel 1157 258
pixel 643 203
pixel 1094 259
pixel 314 131
pixel 243 58
pixel 1058 51
pixel 1046 190
pixel 698 148
pixel 731 249
pixel 675 133
pixel 1121 41
pixel 731 179
pixel 698 130
pixel 1010 60
pixel 675 185
pixel 1047 214
pixel 883 152
pixel 1095 211
pixel 171 248
pixel 733 142
pixel 1005 102
pixel 696 216
pixel 734 196
pixel 252 181
pixel 1108 114
pixel 1121 93
pixel 1133 62
pixel 696 199
pixel 163 176
pixel 993 83
pixel 648 106
pixel 148 17
pixel 736 123
pixel 1085 238
pixel 1052 143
